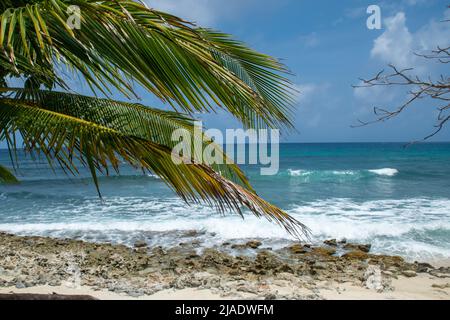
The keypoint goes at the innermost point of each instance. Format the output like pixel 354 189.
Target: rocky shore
pixel 299 271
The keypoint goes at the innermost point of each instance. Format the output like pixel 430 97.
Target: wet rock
pixel 253 244
pixel 356 255
pixel 324 251
pixel 190 234
pixel 140 244
pixel 297 249
pixel 423 267
pixel 360 247
pixel 332 242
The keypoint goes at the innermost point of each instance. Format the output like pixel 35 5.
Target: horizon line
pixel 337 142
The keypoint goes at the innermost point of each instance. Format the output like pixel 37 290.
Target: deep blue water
pixel 397 198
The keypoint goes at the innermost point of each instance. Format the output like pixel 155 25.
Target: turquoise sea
pixel 396 198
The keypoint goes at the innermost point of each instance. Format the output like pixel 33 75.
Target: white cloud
pixel 398 44
pixel 395 45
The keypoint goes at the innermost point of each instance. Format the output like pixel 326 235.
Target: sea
pixel 392 195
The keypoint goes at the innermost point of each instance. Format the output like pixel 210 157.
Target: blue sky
pixel 328 47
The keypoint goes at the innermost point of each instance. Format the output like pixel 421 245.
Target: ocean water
pixel 396 198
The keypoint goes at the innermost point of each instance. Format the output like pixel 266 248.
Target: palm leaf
pixel 121 44
pixel 6 176
pixel 132 119
pixel 119 41
pixel 63 137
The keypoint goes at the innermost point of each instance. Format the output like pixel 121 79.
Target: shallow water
pixel 396 198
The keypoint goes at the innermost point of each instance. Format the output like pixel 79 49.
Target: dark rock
pixel 356 255
pixel 297 249
pixel 423 267
pixel 332 242
pixel 190 234
pixel 253 244
pixel 441 286
pixel 140 244
pixel 323 251
pixel 360 247
pixel 249 245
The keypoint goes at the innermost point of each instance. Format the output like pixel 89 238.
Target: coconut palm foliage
pixel 121 45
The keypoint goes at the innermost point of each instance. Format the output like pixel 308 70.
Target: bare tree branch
pixel 438 89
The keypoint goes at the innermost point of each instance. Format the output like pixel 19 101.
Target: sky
pixel 328 47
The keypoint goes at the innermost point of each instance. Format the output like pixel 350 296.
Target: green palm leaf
pixel 132 119
pixel 119 41
pixel 122 44
pixel 65 138
pixel 6 176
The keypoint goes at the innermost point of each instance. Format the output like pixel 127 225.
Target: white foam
pixel 298 173
pixel 345 173
pixel 390 225
pixel 390 172
pixel 385 172
pixel 154 176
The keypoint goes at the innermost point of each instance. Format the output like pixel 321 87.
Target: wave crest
pixel 352 174
pixel 385 172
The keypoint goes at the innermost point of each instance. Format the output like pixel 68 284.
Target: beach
pixel 333 270
pixel 386 207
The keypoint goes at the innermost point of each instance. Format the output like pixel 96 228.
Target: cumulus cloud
pixel 398 44
pixel 395 44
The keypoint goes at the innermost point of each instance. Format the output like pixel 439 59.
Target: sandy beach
pixel 421 287
pixel 332 271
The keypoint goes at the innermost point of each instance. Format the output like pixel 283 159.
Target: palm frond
pixel 193 69
pixel 6 176
pixel 135 120
pixel 63 138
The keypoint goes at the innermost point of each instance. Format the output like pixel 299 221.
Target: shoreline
pixel 334 270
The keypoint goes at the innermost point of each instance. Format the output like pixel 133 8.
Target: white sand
pixel 417 288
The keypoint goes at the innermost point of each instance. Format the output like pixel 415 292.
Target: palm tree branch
pixel 192 69
pixel 60 136
pixel 135 120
